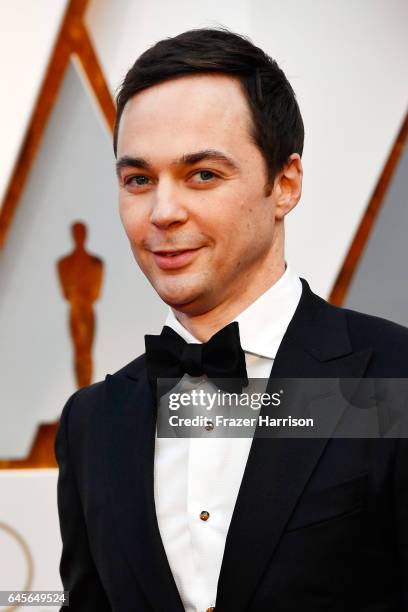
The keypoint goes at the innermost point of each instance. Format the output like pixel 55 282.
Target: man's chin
pixel 188 292
pixel 183 303
pixel 190 301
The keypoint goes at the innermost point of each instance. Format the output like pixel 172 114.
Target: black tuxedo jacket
pixel 319 524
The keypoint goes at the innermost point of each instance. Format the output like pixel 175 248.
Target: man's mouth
pixel 171 260
pixel 171 253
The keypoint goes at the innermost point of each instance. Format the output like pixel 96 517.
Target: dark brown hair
pixel 277 123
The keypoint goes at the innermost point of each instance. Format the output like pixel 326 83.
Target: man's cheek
pixel 138 254
pixel 135 234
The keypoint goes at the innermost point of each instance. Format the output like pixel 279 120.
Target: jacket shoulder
pixel 378 329
pixel 133 368
pixel 389 341
pixel 82 404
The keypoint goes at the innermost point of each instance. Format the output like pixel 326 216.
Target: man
pixel 208 141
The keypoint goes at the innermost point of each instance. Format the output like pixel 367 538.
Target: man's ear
pixel 288 186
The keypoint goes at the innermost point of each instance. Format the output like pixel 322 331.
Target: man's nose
pixel 168 206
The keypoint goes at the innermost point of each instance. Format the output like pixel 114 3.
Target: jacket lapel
pixel 316 344
pixel 129 428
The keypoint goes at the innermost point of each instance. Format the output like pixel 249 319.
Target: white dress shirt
pixel 192 475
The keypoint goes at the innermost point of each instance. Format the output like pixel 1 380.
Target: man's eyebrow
pixel 188 159
pixel 134 162
pixel 207 154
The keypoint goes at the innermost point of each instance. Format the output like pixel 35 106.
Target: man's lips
pixel 174 259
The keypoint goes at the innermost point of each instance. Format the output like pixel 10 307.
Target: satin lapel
pixel 316 344
pixel 129 427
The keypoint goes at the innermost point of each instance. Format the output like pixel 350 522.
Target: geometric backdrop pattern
pixel 380 281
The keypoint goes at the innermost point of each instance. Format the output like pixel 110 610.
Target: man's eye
pixel 204 176
pixel 138 179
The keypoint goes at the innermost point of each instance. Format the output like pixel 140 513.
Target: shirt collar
pixel 263 324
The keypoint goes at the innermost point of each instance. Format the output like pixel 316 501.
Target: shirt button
pixel 209 427
pixel 204 515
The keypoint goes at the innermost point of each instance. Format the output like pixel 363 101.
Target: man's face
pixel 192 191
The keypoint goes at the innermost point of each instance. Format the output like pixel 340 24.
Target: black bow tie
pixel 222 358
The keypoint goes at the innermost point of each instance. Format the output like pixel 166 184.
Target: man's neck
pixel 205 325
